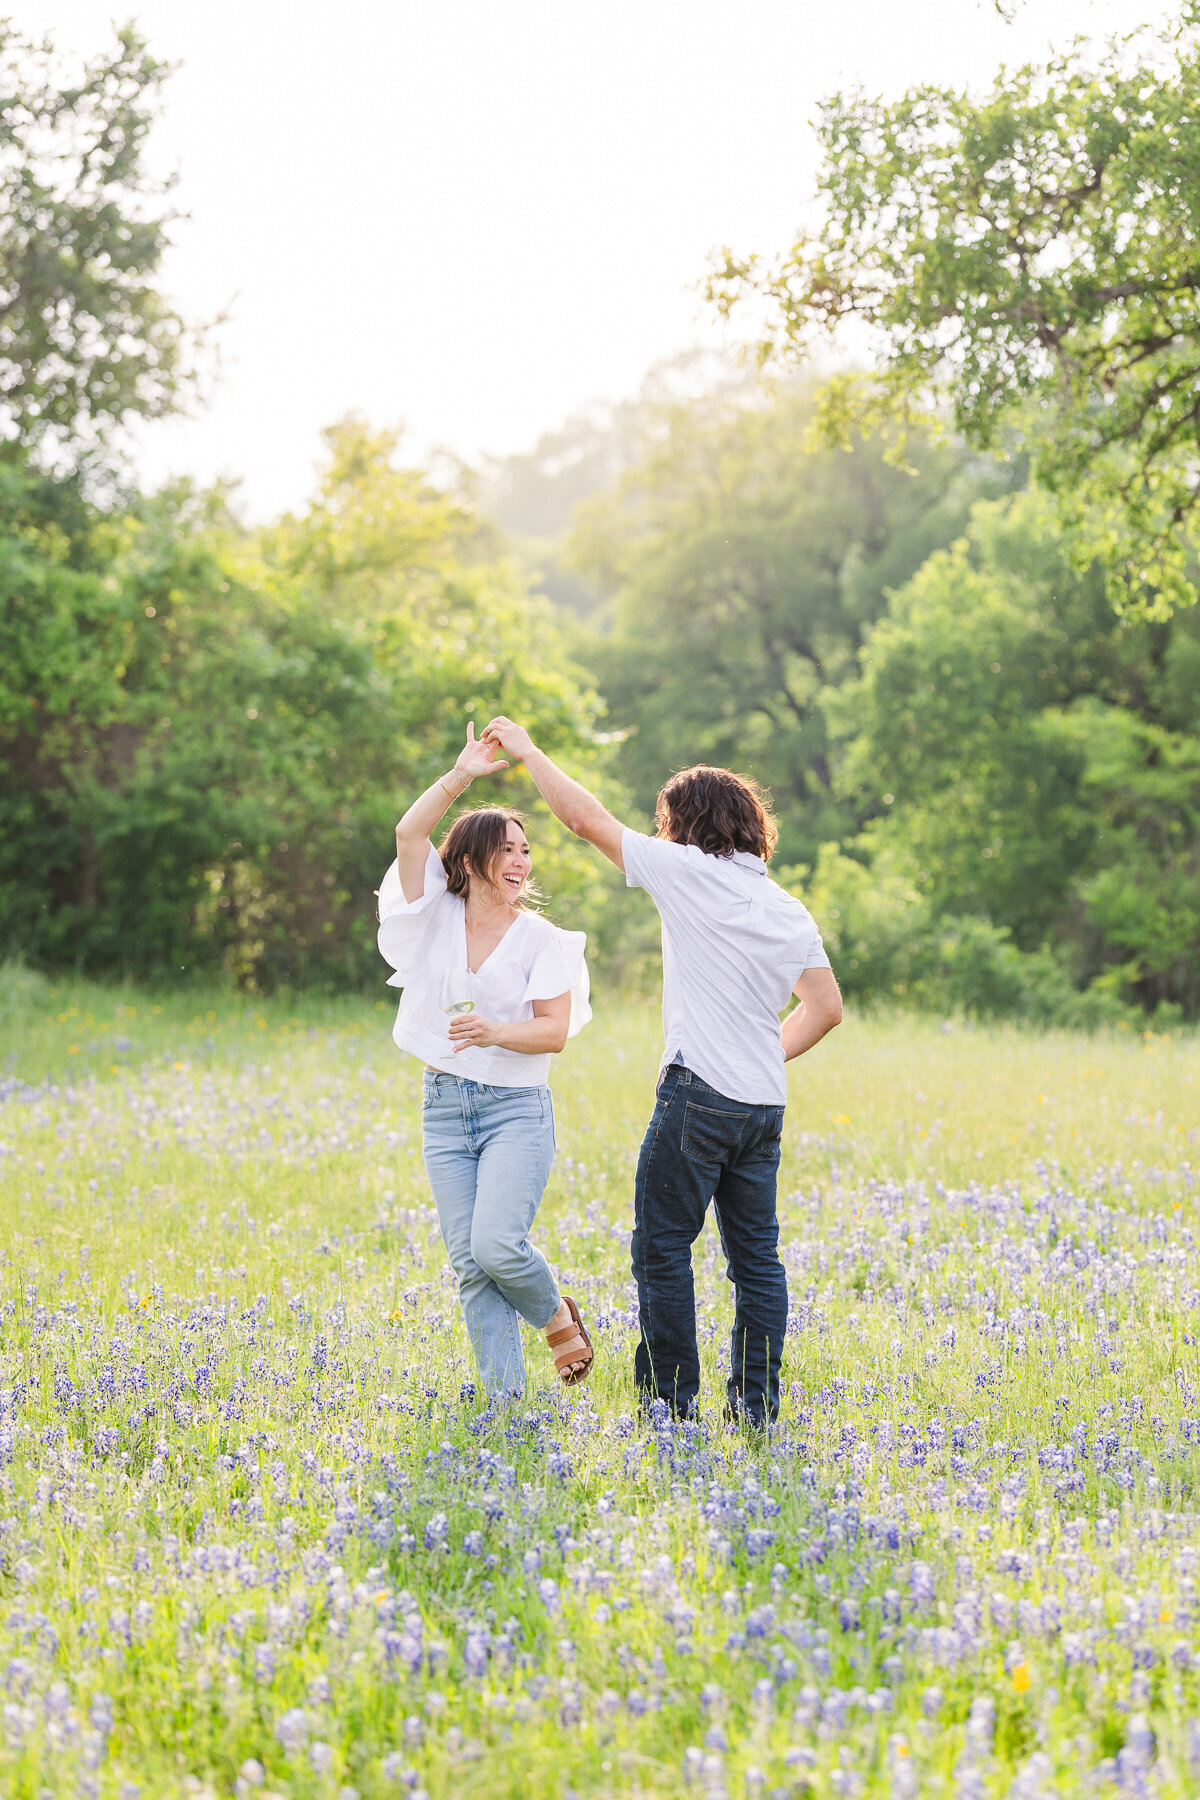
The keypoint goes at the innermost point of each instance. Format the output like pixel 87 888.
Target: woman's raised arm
pixel 413 832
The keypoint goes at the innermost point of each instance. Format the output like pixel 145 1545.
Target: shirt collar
pixel 746 859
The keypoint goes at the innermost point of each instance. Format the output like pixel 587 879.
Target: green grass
pixel 256 1536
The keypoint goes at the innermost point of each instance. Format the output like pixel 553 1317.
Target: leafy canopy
pixel 1032 260
pixel 745 576
pixel 86 338
pixel 206 736
pixel 1041 761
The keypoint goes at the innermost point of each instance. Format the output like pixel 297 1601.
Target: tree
pixel 1141 892
pixel 86 338
pixel 206 735
pixel 532 494
pixel 1035 760
pixel 746 573
pixel 954 731
pixel 1032 260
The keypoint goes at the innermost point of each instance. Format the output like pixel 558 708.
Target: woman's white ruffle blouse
pixel 534 960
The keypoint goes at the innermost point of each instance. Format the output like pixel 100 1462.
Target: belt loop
pixel 687 1076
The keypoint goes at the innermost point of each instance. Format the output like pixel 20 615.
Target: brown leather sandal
pixel 564 1358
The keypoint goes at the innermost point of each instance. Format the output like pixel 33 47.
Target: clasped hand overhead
pixel 514 740
pixel 478 755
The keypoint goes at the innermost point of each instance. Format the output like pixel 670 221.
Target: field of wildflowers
pixel 258 1536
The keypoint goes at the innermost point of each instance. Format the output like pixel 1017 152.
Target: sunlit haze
pixel 473 217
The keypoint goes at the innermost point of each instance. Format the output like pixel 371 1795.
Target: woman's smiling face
pixel 513 865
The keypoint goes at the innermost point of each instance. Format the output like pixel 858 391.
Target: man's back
pixel 734 946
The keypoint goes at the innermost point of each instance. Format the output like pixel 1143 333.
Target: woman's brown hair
pixel 718 812
pixel 480 837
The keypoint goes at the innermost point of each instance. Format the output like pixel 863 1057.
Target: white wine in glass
pixel 457 993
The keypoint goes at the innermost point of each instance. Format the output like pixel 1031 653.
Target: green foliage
pixel 1142 890
pixel 1032 257
pixel 1033 761
pixel 533 494
pixel 208 736
pixel 747 571
pixel 954 727
pixel 86 339
pixel 22 994
pixel 888 943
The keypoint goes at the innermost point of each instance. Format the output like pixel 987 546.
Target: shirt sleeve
pixel 816 957
pixel 403 924
pixel 650 863
pixel 559 968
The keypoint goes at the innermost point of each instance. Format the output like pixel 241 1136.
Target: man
pixel 735 948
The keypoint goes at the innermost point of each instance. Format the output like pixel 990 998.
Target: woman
pixel 491 992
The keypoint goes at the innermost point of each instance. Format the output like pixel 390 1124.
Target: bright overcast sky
pixel 474 216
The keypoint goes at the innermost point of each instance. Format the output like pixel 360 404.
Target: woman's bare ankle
pixel 562 1318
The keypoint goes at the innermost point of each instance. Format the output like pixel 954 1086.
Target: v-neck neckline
pixel 495 947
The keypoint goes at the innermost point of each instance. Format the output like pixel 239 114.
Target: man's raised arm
pixel 579 811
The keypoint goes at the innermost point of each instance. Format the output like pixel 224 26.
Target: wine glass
pixel 457 993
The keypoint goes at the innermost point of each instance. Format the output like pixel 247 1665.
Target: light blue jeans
pixel 488 1152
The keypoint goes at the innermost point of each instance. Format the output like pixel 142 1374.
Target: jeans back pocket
pixel 710 1134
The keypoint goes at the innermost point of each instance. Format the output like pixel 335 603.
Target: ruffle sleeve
pixel 559 966
pixel 403 924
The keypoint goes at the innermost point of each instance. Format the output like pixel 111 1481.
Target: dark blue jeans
pixel 701 1146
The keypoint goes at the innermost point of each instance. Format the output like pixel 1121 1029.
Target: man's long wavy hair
pixel 480 837
pixel 718 811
